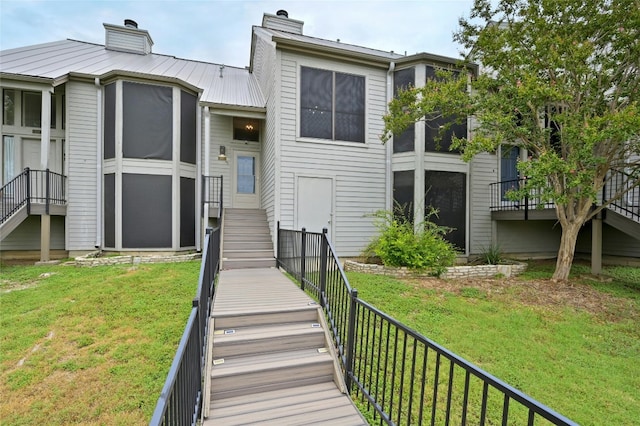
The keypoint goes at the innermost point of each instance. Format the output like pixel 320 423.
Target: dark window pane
pixel 187 128
pixel 31 109
pixel 110 121
pixel 316 99
pixel 147 116
pixel 110 210
pixel 446 192
pixel 434 142
pixel 349 108
pixel 404 142
pixel 187 212
pixel 403 184
pixel 246 129
pixel 9 107
pixel 146 211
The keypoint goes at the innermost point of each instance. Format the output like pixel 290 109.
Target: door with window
pixel 508 169
pixel 246 181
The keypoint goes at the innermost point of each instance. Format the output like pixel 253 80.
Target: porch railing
pixel 629 204
pixel 212 193
pixel 500 200
pixel 399 375
pixel 180 402
pixel 31 186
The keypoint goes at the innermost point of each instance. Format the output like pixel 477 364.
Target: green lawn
pixel 89 345
pixel 572 347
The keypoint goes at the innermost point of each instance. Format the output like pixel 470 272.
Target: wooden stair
pixel 272 360
pixel 246 240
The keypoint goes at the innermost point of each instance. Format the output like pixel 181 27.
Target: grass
pixel 89 345
pixel 581 362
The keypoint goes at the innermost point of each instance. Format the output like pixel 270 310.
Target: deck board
pixel 259 291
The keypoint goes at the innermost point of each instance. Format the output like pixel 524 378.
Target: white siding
pixel 27 235
pixel 82 154
pixel 358 169
pixel 614 242
pixel 483 172
pixel 533 236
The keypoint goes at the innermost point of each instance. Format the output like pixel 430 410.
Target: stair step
pixel 246 375
pixel 249 245
pixel 248 263
pixel 235 230
pixel 247 254
pixel 258 238
pixel 234 320
pixel 246 341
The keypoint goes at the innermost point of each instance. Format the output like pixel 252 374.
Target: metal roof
pixel 56 61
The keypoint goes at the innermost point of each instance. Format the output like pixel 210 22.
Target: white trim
pixel 99 156
pixel 175 170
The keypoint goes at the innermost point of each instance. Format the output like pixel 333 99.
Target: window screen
pixel 332 105
pixel 147 117
pixel 434 141
pixel 146 211
pixel 187 212
pixel 32 109
pixel 403 185
pixel 8 107
pixel 187 128
pixel 446 192
pixel 246 129
pixel 110 121
pixel 404 142
pixel 110 210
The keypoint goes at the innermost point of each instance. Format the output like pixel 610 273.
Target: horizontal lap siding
pixel 358 171
pixel 614 242
pixel 82 154
pixel 483 173
pixel 27 235
pixel 222 134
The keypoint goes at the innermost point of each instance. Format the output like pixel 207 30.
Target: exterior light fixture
pixel 223 153
pixel 249 127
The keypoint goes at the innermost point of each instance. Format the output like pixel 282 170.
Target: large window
pixel 32 109
pixel 332 105
pixel 404 142
pixel 403 185
pixel 8 107
pixel 447 193
pixel 434 141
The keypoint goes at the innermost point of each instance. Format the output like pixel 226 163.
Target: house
pixel 134 138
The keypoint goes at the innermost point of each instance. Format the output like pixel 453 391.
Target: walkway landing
pixel 272 361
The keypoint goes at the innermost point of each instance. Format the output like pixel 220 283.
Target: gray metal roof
pixel 58 60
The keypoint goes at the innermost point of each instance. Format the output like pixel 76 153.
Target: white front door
pixel 246 182
pixel 314 203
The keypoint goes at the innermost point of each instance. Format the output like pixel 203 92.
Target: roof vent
pixel 130 23
pixel 283 13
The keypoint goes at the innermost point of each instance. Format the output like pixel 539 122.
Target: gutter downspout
pixel 207 166
pixel 199 182
pixel 389 144
pixel 99 155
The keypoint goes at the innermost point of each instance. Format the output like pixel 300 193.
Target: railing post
pixel 303 258
pixel 278 242
pixel 221 196
pixel 351 337
pixel 28 187
pixel 526 207
pixel 46 191
pixel 323 266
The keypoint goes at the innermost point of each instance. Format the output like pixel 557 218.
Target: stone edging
pixel 94 259
pixel 467 271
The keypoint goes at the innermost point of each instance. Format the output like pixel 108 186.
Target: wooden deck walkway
pixel 272 362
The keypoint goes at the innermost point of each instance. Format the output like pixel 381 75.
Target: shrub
pixel 399 244
pixel 491 255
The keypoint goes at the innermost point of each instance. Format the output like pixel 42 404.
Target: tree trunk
pixel 566 251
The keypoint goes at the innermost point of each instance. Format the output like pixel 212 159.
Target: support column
pixel 45 237
pixel 596 245
pixel 45 138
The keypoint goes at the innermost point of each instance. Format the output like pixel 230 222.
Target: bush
pixel 491 255
pixel 400 245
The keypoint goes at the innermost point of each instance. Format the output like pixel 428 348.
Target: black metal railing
pixel 180 402
pixel 31 186
pixel 502 201
pixel 399 375
pixel 212 193
pixel 629 204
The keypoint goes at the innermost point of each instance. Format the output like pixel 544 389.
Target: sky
pixel 219 31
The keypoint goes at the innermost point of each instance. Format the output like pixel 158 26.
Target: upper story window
pixel 32 109
pixel 402 80
pixel 332 105
pixel 434 141
pixel 246 129
pixel 24 108
pixel 8 107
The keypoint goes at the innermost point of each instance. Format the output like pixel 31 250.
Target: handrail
pixel 400 374
pixel 629 204
pixel 212 193
pixel 180 401
pixel 501 201
pixel 39 186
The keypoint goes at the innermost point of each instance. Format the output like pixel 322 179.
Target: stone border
pixel 454 272
pixel 94 259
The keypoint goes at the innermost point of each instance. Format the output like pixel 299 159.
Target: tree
pixel 559 78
